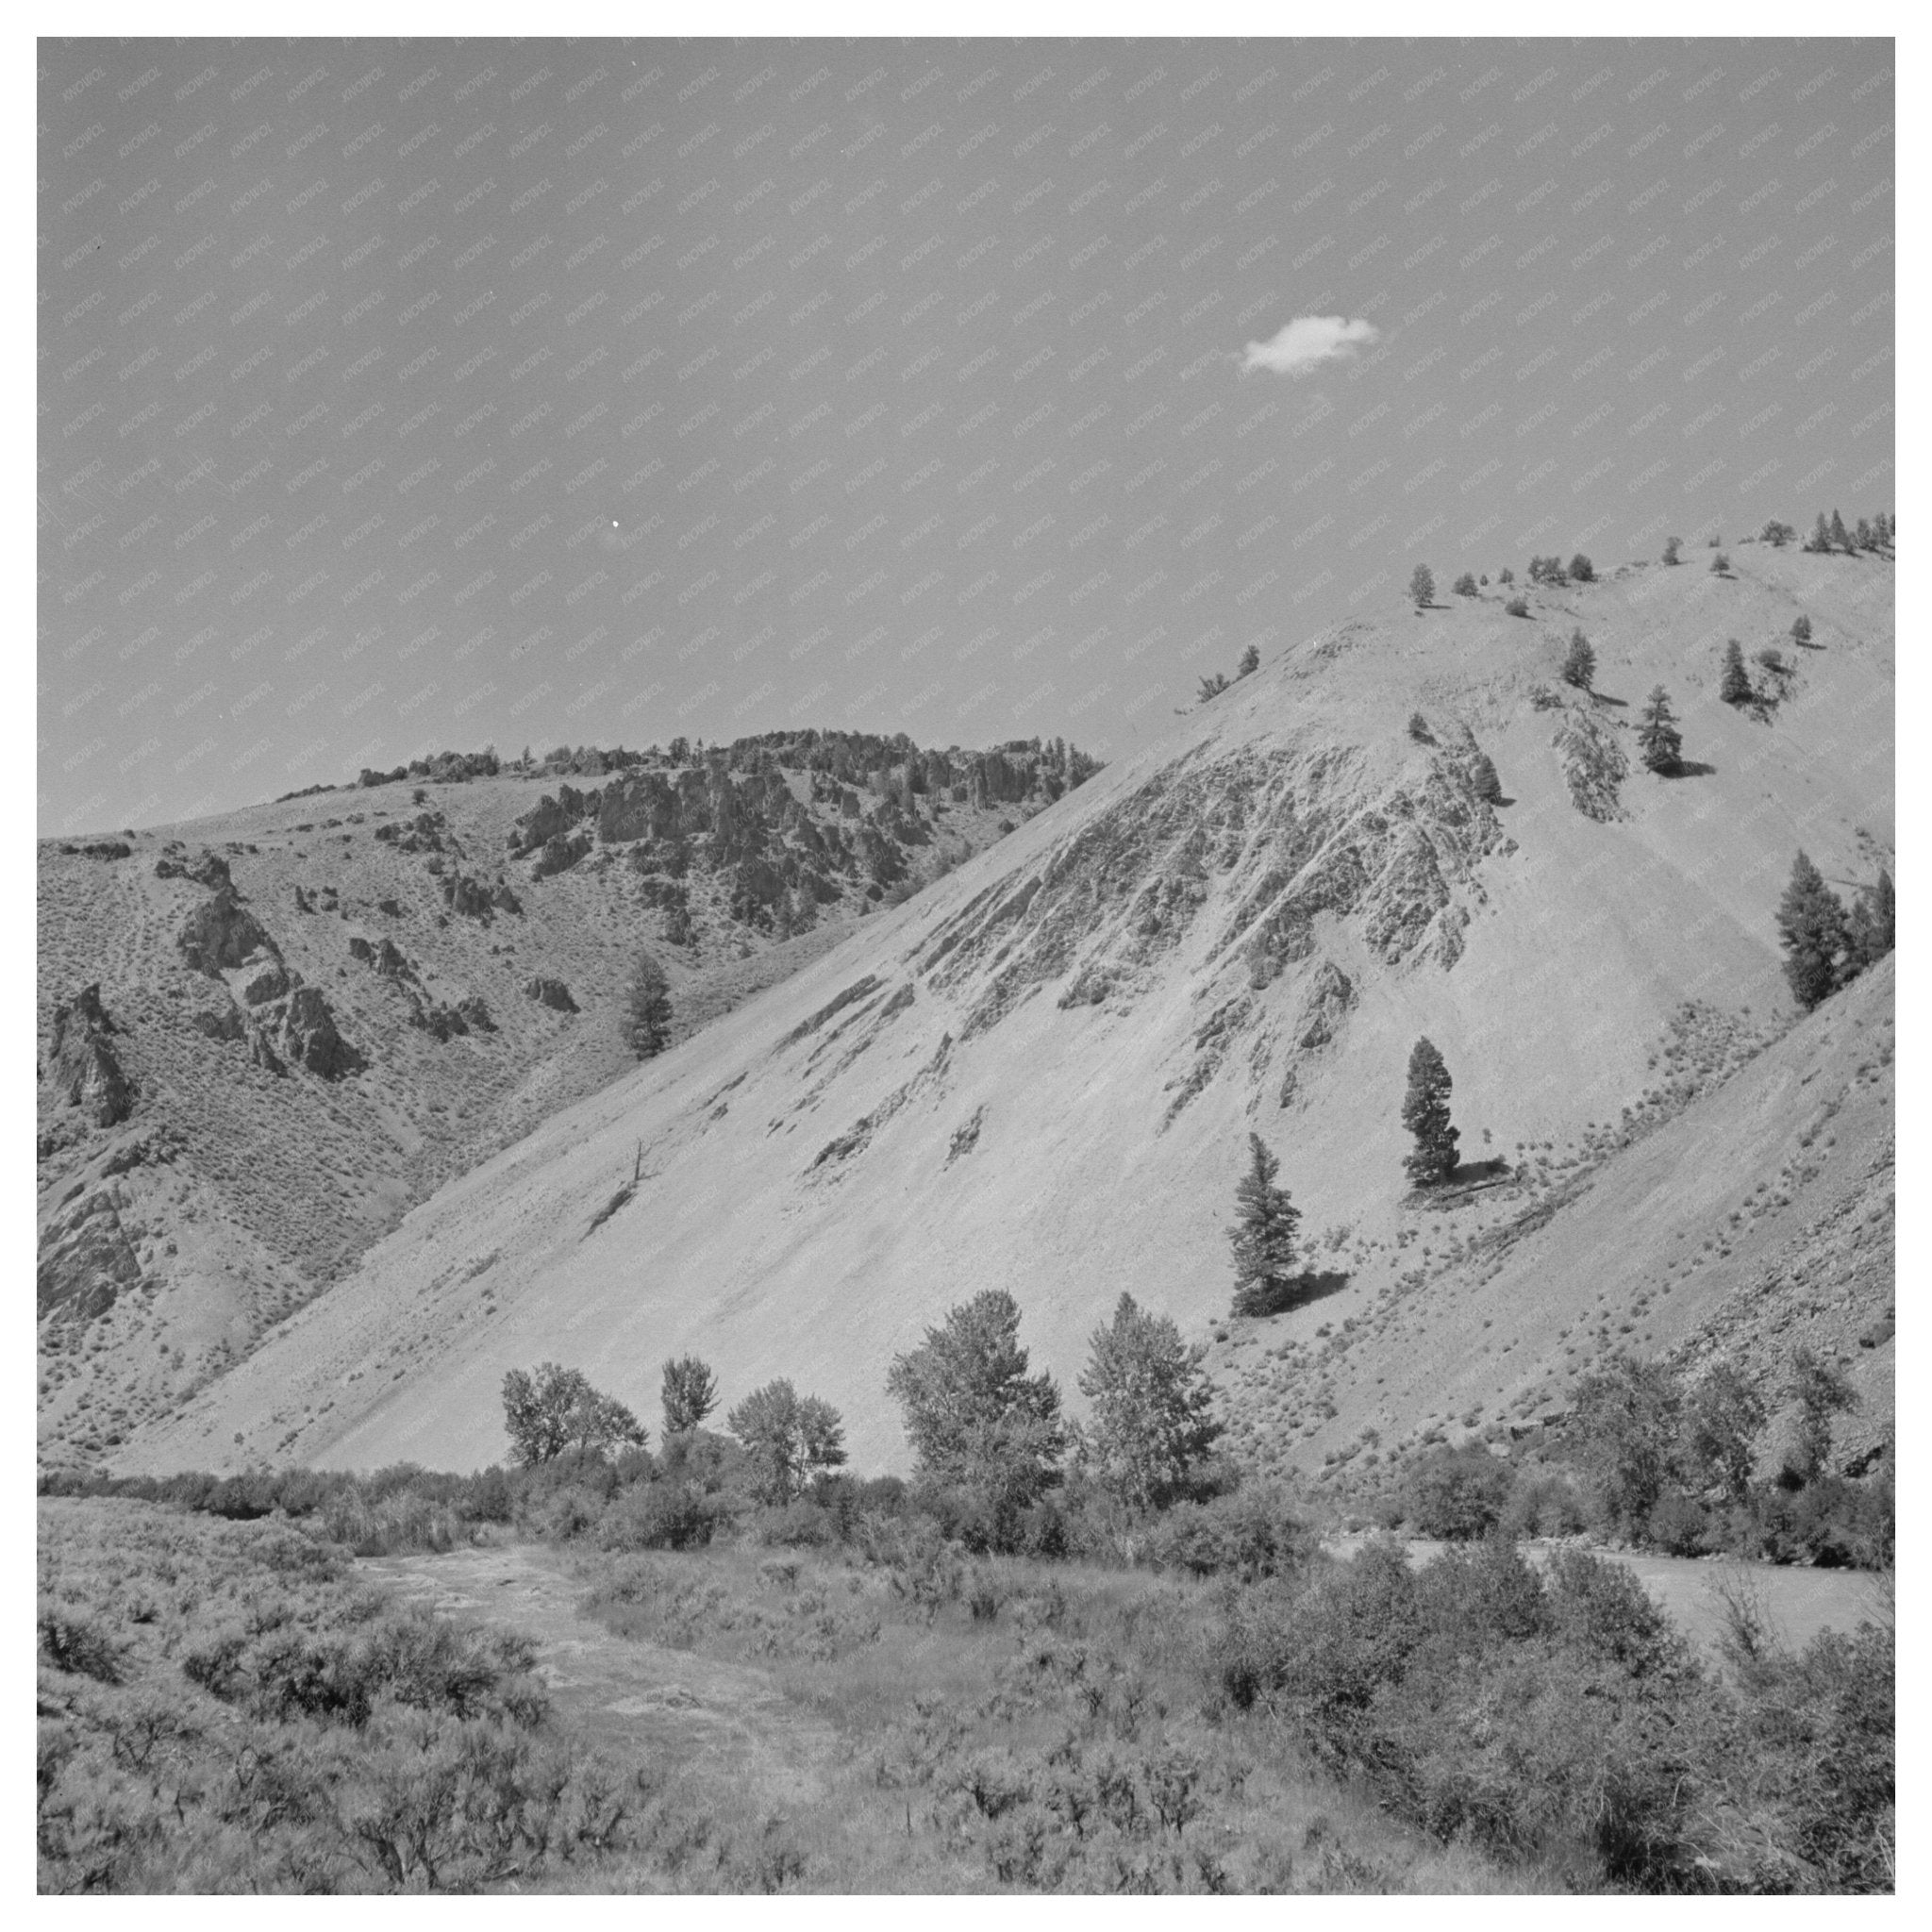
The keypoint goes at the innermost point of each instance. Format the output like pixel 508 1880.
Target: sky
pixel 395 397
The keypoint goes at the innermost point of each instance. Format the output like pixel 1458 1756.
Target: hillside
pixel 1039 1074
pixel 310 1014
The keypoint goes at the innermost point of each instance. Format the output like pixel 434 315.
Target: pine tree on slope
pixel 1811 926
pixel 1426 1114
pixel 1262 1236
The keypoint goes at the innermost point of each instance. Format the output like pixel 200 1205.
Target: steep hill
pixel 266 1036
pixel 1039 1074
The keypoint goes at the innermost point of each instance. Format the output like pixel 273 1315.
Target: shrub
pixel 1518 607
pixel 1582 570
pixel 1464 586
pixel 1458 1493
pixel 1421 586
pixel 1721 564
pixel 1672 546
pixel 1249 1534
pixel 1419 729
pixel 1678 1523
pixel 658 1516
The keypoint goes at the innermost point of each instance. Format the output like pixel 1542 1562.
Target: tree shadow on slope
pixel 1300 1290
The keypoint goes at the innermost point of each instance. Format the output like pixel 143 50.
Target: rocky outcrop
pixel 550 992
pixel 559 854
pixel 1595 766
pixel 219 935
pixel 428 831
pixel 206 869
pixel 81 1066
pixel 86 1258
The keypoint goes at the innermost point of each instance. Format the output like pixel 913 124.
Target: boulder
pixel 550 992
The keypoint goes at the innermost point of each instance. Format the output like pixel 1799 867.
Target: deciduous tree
pixel 1152 1418
pixel 978 1422
pixel 788 1438
pixel 690 1394
pixel 556 1409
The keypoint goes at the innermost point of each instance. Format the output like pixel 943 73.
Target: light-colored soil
pixel 1047 1077
pixel 721 1723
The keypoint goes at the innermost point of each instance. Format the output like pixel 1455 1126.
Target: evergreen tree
pixel 1262 1236
pixel 1211 686
pixel 1811 928
pixel 1152 1418
pixel 1426 1114
pixel 1579 667
pixel 647 1010
pixel 1421 586
pixel 1582 568
pixel 690 1394
pixel 1870 928
pixel 1839 538
pixel 1734 683
pixel 1672 546
pixel 1657 734
pixel 1819 538
pixel 1861 535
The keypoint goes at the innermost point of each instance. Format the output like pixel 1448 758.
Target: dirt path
pixel 717 1721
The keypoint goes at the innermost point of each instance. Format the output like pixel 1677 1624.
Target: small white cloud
pixel 1306 342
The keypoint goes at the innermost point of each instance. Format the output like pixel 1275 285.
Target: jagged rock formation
pixel 81 1066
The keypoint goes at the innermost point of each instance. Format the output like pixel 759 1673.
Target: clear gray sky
pixel 395 397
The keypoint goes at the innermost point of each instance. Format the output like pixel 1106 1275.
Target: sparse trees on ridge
pixel 1426 1114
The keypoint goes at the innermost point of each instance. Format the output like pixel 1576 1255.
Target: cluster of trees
pixel 1879 532
pixel 789 1440
pixel 1826 947
pixel 1218 681
pixel 1551 571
